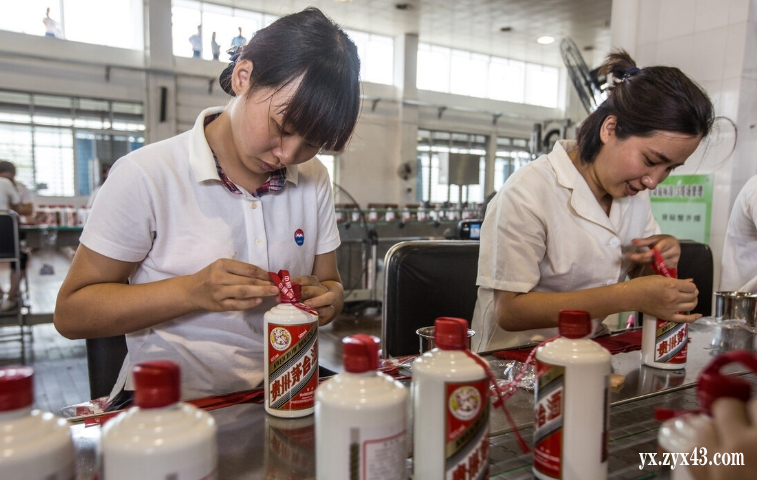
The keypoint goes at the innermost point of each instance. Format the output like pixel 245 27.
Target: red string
pixel 501 402
pixel 283 281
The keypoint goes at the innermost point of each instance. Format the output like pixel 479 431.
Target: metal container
pixel 426 336
pixel 736 306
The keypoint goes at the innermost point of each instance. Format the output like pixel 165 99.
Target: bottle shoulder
pixel 447 364
pixel 573 351
pixel 361 390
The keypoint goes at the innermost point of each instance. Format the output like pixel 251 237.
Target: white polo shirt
pixel 545 231
pixel 165 207
pixel 739 270
pixel 8 194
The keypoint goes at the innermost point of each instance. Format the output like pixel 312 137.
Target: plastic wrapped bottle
pixel 422 215
pixel 406 216
pixel 159 437
pixel 664 344
pixel 34 445
pixel 450 407
pixel 678 433
pixel 571 405
pixel 290 354
pixel 360 419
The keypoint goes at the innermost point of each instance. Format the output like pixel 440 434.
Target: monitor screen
pixel 475 231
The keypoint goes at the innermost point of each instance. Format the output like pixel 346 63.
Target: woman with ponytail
pixel 566 230
pixel 195 222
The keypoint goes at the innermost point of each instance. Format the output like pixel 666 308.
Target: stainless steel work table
pixel 253 445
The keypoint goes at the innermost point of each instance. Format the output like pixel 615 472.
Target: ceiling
pixel 473 25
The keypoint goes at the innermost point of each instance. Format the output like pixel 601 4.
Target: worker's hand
pixel 732 432
pixel 227 285
pixel 664 298
pixel 318 296
pixel 667 245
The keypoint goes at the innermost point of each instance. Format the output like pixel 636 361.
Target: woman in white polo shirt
pixel 195 222
pixel 565 230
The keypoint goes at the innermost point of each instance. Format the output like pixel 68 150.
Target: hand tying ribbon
pixel 290 292
pixel 659 267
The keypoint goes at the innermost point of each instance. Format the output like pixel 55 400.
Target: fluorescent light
pixel 545 40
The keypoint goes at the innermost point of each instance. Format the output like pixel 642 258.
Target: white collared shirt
pixel 165 208
pixel 739 269
pixel 545 231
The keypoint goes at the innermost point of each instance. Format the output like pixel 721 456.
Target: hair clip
pixel 630 72
pixel 234 53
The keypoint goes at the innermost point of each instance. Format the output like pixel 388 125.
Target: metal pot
pixel 736 306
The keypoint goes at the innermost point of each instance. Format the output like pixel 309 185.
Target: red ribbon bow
pixel 284 282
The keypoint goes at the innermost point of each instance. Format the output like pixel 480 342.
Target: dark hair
pixel 644 101
pixel 7 167
pixel 325 107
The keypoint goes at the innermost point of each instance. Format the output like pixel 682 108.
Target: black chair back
pixel 9 247
pixel 696 262
pixel 424 280
pixel 104 359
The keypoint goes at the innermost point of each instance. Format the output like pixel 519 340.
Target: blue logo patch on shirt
pixel 299 237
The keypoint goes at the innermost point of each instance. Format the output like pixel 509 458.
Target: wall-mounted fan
pixel 587 82
pixel 406 171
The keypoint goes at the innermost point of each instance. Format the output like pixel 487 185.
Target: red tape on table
pixel 284 282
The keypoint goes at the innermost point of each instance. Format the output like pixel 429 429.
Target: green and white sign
pixel 682 206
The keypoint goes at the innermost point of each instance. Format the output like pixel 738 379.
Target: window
pixel 61 144
pixel 376 54
pixel 512 153
pixel 330 162
pixel 224 21
pixel 376 51
pixel 115 23
pixel 443 69
pixel 437 182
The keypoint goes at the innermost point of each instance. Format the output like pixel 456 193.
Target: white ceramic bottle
pixel 360 419
pixel 571 403
pixel 290 356
pixel 678 434
pixel 664 344
pixel 450 390
pixel 159 437
pixel 34 445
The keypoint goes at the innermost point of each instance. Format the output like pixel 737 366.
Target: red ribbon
pixel 659 267
pixel 501 402
pixel 284 282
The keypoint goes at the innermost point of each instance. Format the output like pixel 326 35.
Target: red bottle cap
pixel 16 388
pixel 157 384
pixel 574 323
pixel 451 333
pixel 360 353
pixel 713 384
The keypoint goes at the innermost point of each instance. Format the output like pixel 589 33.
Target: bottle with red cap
pixel 290 352
pixel 450 390
pixel 34 445
pixel 677 434
pixel 664 344
pixel 360 418
pixel 571 404
pixel 159 437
